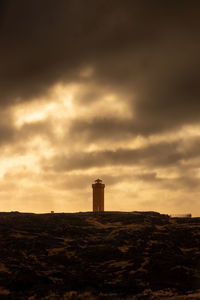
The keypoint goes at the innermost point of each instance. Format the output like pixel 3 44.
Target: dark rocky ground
pixel 107 255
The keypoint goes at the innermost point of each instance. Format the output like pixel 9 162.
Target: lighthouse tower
pixel 98 195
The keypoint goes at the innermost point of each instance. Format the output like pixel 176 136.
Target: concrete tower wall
pixel 98 196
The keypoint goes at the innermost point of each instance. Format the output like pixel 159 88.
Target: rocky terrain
pixel 110 255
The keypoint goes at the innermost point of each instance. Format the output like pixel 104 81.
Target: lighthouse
pixel 98 195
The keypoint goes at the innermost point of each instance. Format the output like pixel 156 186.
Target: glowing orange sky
pixel 50 169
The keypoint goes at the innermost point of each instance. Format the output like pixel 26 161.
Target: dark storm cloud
pixel 10 134
pixel 109 128
pixel 7 132
pixel 39 128
pixel 160 155
pixel 145 49
pixel 43 42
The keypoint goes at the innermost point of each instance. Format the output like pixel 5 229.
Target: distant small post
pixel 98 195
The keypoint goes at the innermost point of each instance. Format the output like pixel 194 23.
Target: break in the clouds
pixel 99 88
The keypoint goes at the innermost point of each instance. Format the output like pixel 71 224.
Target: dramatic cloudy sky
pixel 104 88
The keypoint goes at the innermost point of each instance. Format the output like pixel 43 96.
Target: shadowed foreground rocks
pixel 110 255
